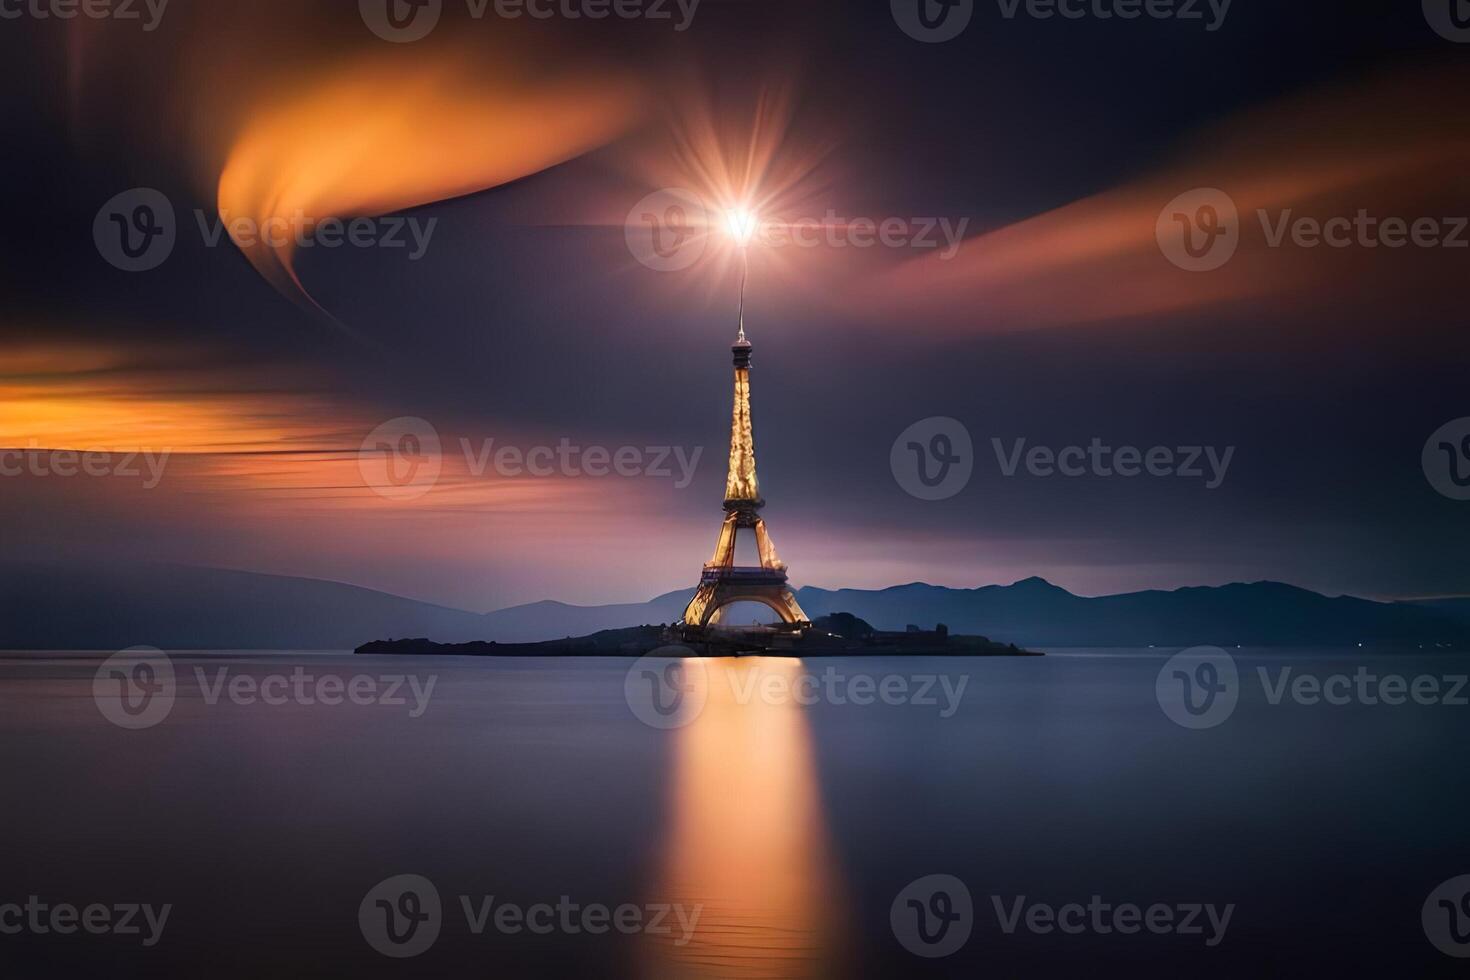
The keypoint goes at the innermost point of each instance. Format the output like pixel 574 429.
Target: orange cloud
pixel 1384 145
pixel 385 134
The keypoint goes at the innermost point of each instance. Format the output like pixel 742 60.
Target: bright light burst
pixel 741 223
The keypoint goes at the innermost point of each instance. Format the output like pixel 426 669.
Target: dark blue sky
pixel 1059 320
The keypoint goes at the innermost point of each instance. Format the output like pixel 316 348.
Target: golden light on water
pixel 748 838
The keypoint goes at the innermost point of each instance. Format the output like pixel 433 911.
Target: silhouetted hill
pixel 548 620
pixel 1034 612
pixel 178 607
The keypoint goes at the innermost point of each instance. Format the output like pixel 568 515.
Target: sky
pixel 506 294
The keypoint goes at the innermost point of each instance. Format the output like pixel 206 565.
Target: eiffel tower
pixel 724 582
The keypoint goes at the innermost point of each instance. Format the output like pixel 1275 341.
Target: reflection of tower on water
pixel 747 837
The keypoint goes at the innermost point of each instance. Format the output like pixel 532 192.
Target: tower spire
pixel 744 275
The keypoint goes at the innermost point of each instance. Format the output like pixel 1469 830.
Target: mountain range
pixel 54 607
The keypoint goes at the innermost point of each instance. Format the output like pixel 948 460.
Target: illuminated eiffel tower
pixel 724 582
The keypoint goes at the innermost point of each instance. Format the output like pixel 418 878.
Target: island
pixel 837 635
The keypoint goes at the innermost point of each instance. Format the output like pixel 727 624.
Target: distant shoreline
pixel 640 641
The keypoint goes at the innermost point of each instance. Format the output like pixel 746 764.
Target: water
pixel 791 827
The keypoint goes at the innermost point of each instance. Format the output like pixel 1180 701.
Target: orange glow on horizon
pixel 104 398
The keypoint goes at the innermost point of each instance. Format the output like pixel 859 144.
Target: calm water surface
pixel 791 827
